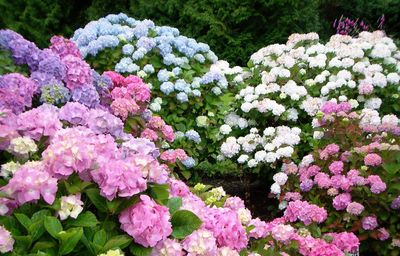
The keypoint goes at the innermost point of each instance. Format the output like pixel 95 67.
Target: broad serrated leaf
pixel 184 222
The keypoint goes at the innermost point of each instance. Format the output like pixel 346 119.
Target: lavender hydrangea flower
pixel 16 92
pixel 87 95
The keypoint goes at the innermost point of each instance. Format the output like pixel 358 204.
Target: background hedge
pixel 233 28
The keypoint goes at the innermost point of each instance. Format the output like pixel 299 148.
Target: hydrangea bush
pixel 83 172
pixel 189 86
pixel 353 173
pixel 288 83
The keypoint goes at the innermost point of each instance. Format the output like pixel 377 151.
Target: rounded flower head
pixel 369 223
pixel 345 241
pixel 226 227
pixel 6 240
pixel 147 222
pixel 200 243
pixel 372 160
pixel 341 201
pixel 16 92
pixel 336 167
pixel 167 247
pixel 70 206
pixel 119 177
pixel 355 208
pixel 30 182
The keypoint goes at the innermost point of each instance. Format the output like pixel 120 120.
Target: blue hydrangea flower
pixel 200 58
pixel 148 68
pixel 193 136
pixel 182 97
pixel 176 70
pixel 128 49
pixel 196 93
pixel 163 75
pixel 189 162
pixel 180 85
pixel 167 87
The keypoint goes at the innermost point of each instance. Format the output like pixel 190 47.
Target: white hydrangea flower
pixel 225 129
pixel 8 169
pixel 244 216
pixel 280 178
pixel 22 146
pixel 71 206
pixel 275 189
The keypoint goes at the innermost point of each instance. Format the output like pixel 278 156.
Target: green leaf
pixel 69 239
pixel 186 174
pixel 184 222
pixel 138 250
pixel 40 215
pixel 86 219
pixel 97 199
pixel 43 245
pixel 174 204
pixel 116 242
pixel 36 229
pixel 100 237
pixel 53 226
pixel 159 191
pixel 23 219
pixel 23 242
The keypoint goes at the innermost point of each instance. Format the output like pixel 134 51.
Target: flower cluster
pixel 186 80
pixel 289 83
pixel 352 172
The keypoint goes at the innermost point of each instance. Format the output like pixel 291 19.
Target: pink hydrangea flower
pixel 322 180
pixel 341 201
pixel 234 203
pixel 71 150
pixel 119 177
pixel 200 243
pixel 325 249
pixel 369 223
pixel 365 89
pixel 282 233
pixel 149 134
pixel 167 247
pixel 383 234
pixel 123 107
pixel 292 196
pixel 147 222
pixel 226 227
pixel 345 241
pixel 30 182
pixel 372 159
pixel 355 208
pixel 116 78
pixel 40 121
pixel 64 47
pixel 376 183
pixel 336 167
pixel 171 156
pixel 305 212
pixel 6 240
pixel 178 188
pixel 328 151
pixel 78 72
pixel 168 133
pixel 260 229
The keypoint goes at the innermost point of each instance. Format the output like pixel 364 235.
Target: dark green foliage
pixel 233 28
